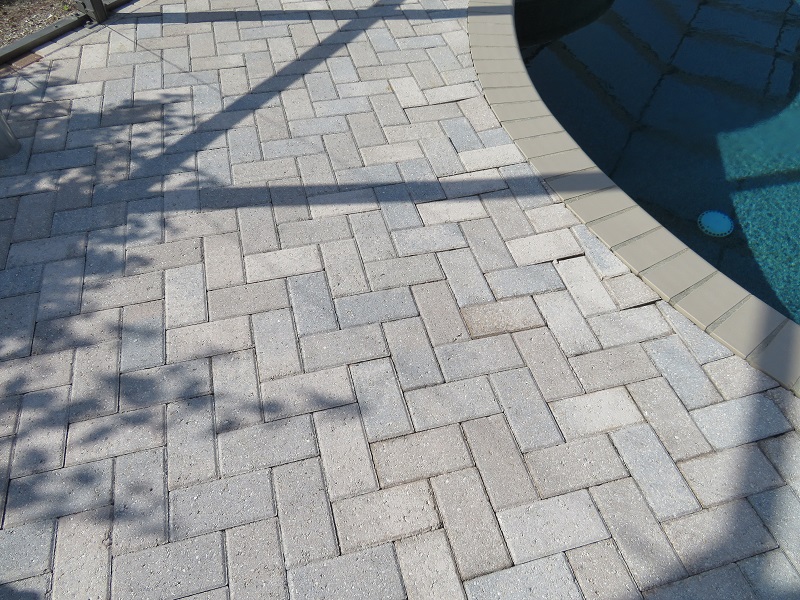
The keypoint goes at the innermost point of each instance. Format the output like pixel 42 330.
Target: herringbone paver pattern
pixel 285 314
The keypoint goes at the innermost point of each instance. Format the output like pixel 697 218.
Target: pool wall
pixel 745 324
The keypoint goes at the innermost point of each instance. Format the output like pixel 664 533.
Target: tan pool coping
pixel 730 314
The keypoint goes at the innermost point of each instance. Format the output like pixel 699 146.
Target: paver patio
pixel 285 314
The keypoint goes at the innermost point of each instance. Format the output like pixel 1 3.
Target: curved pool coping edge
pixel 749 327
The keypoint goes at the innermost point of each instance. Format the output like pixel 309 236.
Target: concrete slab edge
pixel 749 327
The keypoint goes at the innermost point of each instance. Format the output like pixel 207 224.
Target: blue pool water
pixel 691 106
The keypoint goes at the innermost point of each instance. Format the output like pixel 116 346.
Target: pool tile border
pixel 731 315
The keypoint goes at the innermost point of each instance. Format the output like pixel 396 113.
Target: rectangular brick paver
pixel 306 524
pixel 553 525
pixel 220 504
pixel 549 576
pixel 420 455
pixel 177 569
pixel 470 523
pixel 451 403
pixel 380 516
pixel 371 574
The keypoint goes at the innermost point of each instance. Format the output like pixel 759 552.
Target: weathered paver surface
pixel 285 314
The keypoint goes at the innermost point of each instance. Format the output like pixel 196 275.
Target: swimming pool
pixel 692 106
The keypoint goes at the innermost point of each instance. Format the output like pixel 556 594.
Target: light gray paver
pixel 595 413
pixel 574 465
pixel 306 393
pixel 616 366
pixel 451 403
pixel 779 509
pixel 58 493
pixel 703 347
pixel 236 399
pixel 734 377
pixel 306 524
pixel 771 575
pixel 33 587
pixel 323 126
pixel 114 435
pixel 717 536
pixel 405 271
pixel 628 291
pixel 343 268
pixel 665 413
pixel 640 539
pixel 342 347
pixel 470 524
pixel 566 323
pixel 528 415
pixel 173 570
pixel 740 421
pixel 184 291
pixel 420 455
pixel 548 577
pixel 282 263
pixel 489 248
pixel 190 442
pixel 142 343
pixel 163 384
pixel 266 445
pixel 276 349
pixel 222 256
pixel 344 452
pixel 412 354
pixel 725 583
pixel 60 293
pixel 247 299
pixel 140 507
pixel 122 291
pixel 384 515
pixel 478 357
pixel 82 560
pixel 681 370
pixel 220 504
pixel 371 574
pixel 543 247
pixel 255 563
pixel 549 526
pixel 372 236
pixel 548 365
pixel 41 432
pixel 439 312
pixel 375 307
pixel 499 462
pixel 451 211
pixel 315 231
pixel 784 452
pixel 208 339
pixel 728 474
pixel 433 238
pixel 504 316
pixel 311 303
pixel 84 329
pixel 659 480
pixel 629 326
pixel 601 572
pixel 27 550
pixel 383 410
pixel 428 568
pixel 523 281
pixel 465 278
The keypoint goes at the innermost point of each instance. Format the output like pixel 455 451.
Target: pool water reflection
pixel 692 106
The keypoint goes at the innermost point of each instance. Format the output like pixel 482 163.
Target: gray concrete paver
pixel 316 220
